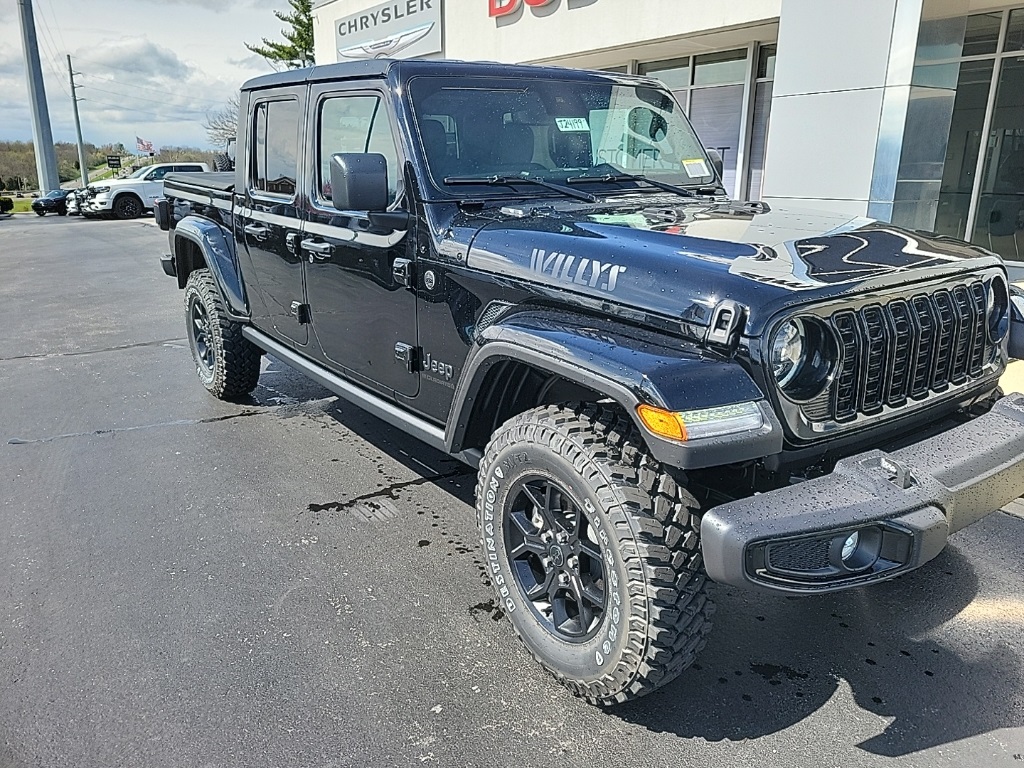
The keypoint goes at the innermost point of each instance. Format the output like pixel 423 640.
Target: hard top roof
pixel 370 68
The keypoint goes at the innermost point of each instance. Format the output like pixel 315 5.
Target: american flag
pixel 142 145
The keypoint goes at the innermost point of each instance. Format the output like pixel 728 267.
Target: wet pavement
pixel 290 582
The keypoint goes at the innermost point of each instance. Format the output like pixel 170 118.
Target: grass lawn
pixel 22 205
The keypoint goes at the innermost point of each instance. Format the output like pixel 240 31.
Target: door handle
pixel 317 250
pixel 256 230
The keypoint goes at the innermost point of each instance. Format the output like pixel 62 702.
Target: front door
pixel 270 217
pixel 363 312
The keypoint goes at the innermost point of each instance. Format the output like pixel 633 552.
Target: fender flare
pixel 219 254
pixel 630 366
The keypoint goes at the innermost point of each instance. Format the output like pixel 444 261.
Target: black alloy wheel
pixel 40 213
pixel 555 559
pixel 200 336
pixel 127 207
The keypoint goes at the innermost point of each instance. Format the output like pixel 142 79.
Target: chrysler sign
pixel 397 29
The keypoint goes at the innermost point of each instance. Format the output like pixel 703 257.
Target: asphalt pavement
pixel 291 582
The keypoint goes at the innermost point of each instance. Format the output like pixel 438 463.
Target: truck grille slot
pixel 806 556
pixel 908 349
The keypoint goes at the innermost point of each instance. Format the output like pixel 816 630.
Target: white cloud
pixel 148 67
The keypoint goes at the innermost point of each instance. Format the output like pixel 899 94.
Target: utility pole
pixel 46 156
pixel 78 128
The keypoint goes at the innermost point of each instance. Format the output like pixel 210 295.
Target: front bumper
pixel 903 506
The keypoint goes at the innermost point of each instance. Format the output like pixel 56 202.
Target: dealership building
pixel 909 111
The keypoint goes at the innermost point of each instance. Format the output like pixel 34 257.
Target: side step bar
pixel 386 411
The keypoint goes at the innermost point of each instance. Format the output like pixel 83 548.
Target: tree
pixel 298 50
pixel 222 124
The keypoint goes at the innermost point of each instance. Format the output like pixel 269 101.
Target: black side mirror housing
pixel 1016 342
pixel 716 162
pixel 359 181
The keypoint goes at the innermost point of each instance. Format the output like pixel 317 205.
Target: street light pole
pixel 78 128
pixel 46 156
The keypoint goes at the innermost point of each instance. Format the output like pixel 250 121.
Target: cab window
pixel 274 161
pixel 158 173
pixel 354 124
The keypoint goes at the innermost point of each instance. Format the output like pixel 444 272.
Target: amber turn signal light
pixel 661 422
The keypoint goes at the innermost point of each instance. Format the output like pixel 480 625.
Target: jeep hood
pixel 680 258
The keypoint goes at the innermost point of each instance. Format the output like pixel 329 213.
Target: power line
pixel 160 91
pixel 142 98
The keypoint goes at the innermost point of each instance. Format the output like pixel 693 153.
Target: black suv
pixel 54 201
pixel 537 271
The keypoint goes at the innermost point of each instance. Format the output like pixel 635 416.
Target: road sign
pixel 113 161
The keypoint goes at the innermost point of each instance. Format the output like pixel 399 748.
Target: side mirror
pixel 359 182
pixel 229 150
pixel 716 162
pixel 1016 342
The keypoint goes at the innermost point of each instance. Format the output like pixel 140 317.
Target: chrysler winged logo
pixel 387 46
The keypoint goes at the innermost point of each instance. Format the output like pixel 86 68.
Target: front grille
pixel 907 349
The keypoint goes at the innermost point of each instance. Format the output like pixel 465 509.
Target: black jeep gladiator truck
pixel 537 270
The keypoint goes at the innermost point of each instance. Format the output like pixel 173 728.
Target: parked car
pixel 76 201
pixel 135 195
pixel 538 272
pixel 54 201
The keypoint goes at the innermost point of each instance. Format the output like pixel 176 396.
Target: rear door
pixel 269 217
pixel 153 185
pixel 358 277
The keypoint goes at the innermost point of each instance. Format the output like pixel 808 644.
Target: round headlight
pixel 787 351
pixel 998 310
pixel 803 355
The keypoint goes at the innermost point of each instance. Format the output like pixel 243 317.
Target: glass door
pixel 999 225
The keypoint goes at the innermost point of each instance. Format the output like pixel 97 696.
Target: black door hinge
pixel 401 270
pixel 301 312
pixel 408 355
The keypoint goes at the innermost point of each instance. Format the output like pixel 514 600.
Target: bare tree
pixel 222 124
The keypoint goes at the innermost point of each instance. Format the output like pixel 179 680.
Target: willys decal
pixel 601 275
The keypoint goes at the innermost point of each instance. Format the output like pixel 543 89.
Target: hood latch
pixel 726 321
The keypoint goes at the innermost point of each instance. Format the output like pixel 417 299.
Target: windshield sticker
pixel 572 124
pixel 590 272
pixel 696 168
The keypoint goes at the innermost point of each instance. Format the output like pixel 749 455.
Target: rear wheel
pixel 593 550
pixel 228 364
pixel 128 207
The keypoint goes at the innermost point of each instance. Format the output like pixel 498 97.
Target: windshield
pixel 56 193
pixel 137 174
pixel 554 130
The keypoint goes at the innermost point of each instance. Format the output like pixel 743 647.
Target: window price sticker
pixel 696 168
pixel 572 124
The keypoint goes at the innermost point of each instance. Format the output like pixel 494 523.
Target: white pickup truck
pixel 135 195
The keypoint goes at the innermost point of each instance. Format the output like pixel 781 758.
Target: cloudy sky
pixel 152 68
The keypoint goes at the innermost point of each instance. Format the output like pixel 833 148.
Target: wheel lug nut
pixel 563 578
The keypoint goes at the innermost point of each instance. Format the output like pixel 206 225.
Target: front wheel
pixel 40 213
pixel 128 207
pixel 228 364
pixel 593 550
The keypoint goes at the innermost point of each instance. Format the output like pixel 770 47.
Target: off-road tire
pixel 227 363
pixel 128 206
pixel 657 614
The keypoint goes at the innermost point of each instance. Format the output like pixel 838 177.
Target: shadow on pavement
pixel 771 662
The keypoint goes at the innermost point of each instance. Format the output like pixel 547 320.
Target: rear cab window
pixel 273 163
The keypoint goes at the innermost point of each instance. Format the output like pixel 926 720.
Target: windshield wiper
pixel 610 177
pixel 510 180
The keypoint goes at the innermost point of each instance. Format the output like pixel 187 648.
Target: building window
pixel 962 166
pixel 711 88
